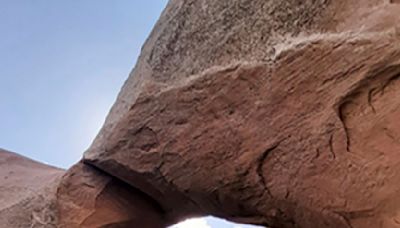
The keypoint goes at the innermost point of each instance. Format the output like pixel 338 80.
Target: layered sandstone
pixel 277 113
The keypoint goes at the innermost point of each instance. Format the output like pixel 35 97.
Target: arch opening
pixel 210 222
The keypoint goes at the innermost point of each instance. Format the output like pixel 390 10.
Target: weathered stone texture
pixel 277 113
pixel 27 192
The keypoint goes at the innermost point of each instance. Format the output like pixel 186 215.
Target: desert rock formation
pixel 277 113
pixel 27 192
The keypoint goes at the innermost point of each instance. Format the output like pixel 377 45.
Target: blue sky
pixel 62 64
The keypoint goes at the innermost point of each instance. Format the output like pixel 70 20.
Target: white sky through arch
pixel 209 222
pixel 193 223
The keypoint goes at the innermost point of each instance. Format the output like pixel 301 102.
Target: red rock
pixel 27 192
pixel 266 112
pixel 287 144
pixel 31 195
pixel 259 117
pixel 89 198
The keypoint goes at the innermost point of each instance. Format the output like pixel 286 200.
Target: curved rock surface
pixel 277 113
pixel 34 195
pixel 288 144
pixel 27 192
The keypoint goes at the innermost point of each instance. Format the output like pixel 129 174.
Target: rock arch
pixel 276 113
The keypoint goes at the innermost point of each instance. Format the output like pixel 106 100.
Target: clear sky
pixel 62 64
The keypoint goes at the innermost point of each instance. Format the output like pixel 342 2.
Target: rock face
pixel 33 195
pixel 27 192
pixel 277 113
pixel 87 197
pixel 288 144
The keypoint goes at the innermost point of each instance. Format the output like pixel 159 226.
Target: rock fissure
pixel 260 164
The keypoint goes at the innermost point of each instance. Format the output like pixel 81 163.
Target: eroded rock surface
pixel 288 144
pixel 263 112
pixel 34 195
pixel 27 192
pixel 277 113
pixel 87 197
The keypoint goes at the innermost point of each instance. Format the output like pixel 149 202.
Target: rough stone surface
pixel 89 198
pixel 34 195
pixel 288 144
pixel 27 192
pixel 263 112
pixel 277 113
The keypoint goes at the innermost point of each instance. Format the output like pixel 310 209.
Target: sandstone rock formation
pixel 87 197
pixel 27 192
pixel 277 113
pixel 32 195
